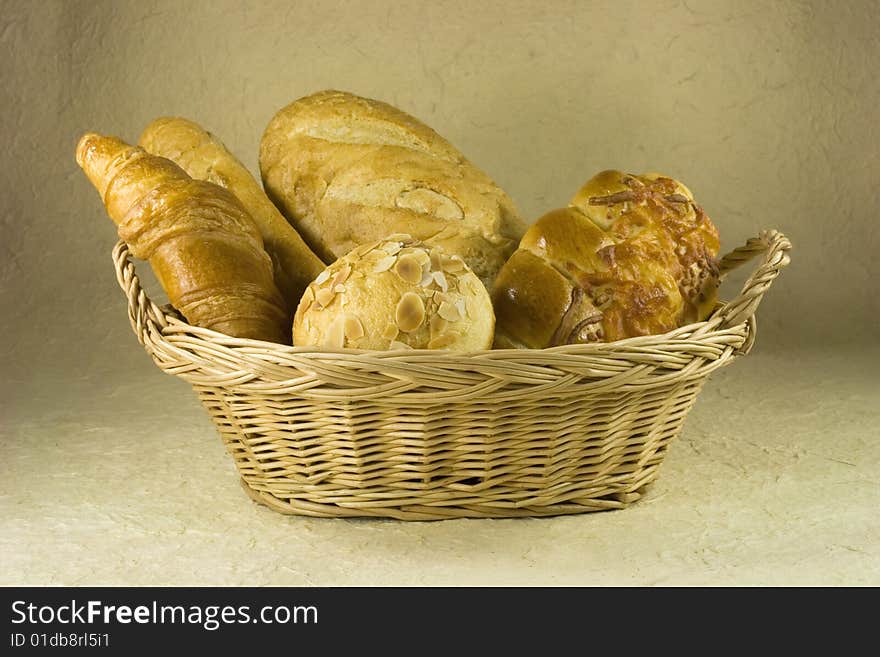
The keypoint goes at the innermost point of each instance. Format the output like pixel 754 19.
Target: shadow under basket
pixel 429 435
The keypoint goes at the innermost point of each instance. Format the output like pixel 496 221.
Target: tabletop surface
pixel 122 480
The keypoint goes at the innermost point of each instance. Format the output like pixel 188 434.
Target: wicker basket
pixel 428 435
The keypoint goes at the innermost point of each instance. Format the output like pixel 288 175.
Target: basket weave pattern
pixel 427 435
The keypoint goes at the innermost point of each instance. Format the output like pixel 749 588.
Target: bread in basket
pixel 428 435
pixel 418 434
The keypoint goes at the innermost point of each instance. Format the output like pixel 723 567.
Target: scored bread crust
pixel 631 255
pixel 347 171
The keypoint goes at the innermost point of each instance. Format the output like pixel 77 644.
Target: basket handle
pixel 775 247
pixel 147 319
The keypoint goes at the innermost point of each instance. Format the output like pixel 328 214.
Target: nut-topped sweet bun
pixel 625 205
pixel 631 255
pixel 397 293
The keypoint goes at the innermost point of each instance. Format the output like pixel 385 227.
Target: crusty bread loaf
pixel 397 293
pixel 348 171
pixel 204 157
pixel 631 255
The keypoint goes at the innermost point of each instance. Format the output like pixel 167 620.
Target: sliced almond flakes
pixel 453 264
pixel 410 312
pixel 342 275
pixel 422 256
pixel 384 264
pixel 409 269
pixel 324 296
pixel 438 325
pixel 354 330
pixel 334 337
pixel 391 248
pixel 448 311
pixel 436 260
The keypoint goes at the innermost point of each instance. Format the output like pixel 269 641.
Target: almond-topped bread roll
pixel 396 293
pixel 631 255
pixel 348 171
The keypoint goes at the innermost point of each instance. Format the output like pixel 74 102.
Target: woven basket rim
pixel 678 335
pixel 729 319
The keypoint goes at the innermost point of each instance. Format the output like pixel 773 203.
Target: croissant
pixel 204 157
pixel 629 256
pixel 204 248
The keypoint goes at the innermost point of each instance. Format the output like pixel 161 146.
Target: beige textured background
pixel 766 110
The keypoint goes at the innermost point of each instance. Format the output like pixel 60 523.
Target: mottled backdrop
pixel 766 110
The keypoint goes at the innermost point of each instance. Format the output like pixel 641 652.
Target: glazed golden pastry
pixel 348 171
pixel 204 248
pixel 397 293
pixel 204 157
pixel 631 255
